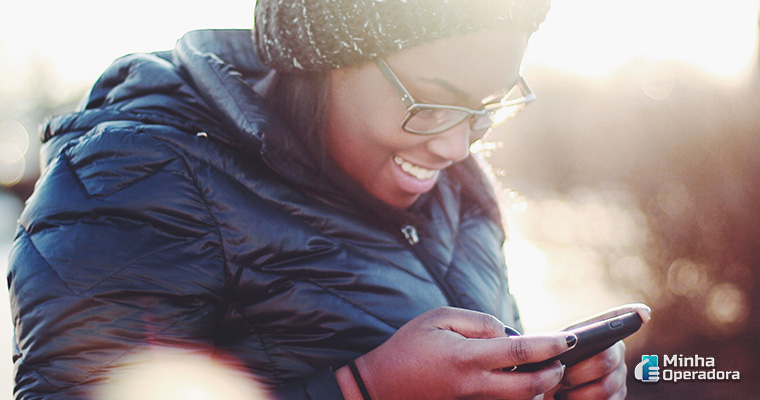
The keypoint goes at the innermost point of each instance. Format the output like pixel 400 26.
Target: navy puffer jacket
pixel 169 214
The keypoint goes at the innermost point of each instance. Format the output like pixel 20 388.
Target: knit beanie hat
pixel 319 35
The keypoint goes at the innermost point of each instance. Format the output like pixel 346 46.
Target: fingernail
pixel 571 340
pixel 511 331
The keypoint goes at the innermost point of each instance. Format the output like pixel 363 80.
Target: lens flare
pixel 13 132
pixel 14 144
pixel 657 80
pixel 162 373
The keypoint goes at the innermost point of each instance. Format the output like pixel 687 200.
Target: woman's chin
pixel 397 198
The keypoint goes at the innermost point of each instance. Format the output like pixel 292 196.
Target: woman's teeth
pixel 414 170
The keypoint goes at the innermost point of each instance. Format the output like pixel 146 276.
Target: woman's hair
pixel 300 100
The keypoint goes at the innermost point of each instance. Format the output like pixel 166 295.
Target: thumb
pixel 470 324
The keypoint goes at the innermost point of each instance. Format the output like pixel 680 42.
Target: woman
pixel 306 206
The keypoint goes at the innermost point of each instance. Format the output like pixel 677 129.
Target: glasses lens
pixel 496 117
pixel 483 122
pixel 428 120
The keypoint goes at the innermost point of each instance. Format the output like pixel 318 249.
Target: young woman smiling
pixel 304 202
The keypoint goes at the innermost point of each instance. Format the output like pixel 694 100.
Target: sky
pixel 77 39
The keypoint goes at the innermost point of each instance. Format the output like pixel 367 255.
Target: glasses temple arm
pixel 398 87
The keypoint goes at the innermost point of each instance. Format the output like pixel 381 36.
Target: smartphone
pixel 592 339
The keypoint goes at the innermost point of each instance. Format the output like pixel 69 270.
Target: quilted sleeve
pixel 116 250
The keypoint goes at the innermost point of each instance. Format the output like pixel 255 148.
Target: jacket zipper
pixel 410 233
pixel 412 237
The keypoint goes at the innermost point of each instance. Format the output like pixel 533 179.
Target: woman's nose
pixel 452 145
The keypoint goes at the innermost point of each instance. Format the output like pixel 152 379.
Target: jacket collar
pixel 223 66
pixel 207 83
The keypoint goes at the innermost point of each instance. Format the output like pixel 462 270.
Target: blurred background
pixel 634 177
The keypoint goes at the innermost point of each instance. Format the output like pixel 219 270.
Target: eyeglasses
pixel 431 119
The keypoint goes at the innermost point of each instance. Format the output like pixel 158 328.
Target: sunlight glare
pixel 559 250
pixel 594 37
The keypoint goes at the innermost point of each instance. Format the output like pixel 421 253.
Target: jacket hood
pixel 204 85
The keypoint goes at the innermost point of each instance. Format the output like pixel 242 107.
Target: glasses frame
pixel 413 107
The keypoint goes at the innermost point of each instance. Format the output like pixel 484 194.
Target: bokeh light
pixel 674 199
pixel 14 144
pixel 687 278
pixel 171 373
pixel 727 306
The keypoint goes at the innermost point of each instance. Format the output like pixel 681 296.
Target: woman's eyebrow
pixel 462 94
pixel 459 93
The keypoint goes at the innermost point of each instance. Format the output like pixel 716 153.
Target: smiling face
pixel 364 135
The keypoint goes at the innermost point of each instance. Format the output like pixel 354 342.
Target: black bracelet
pixel 358 379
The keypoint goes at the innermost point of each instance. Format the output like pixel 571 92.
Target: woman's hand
pixel 602 376
pixel 450 353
